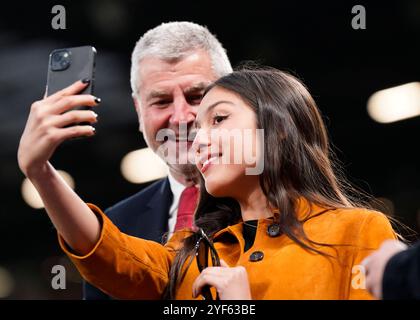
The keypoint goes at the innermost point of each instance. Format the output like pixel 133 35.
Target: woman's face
pixel 226 145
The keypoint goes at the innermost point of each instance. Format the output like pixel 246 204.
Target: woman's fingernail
pixel 98 100
pixel 85 80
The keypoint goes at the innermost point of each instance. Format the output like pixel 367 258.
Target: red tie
pixel 186 208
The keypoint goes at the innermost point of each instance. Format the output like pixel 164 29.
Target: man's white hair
pixel 172 41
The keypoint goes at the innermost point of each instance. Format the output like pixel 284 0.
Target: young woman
pixel 289 232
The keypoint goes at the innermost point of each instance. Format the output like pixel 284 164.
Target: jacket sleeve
pixel 375 229
pixel 123 266
pixel 401 278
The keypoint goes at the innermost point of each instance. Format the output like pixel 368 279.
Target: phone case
pixel 68 65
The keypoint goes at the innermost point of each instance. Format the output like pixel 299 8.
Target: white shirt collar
pixel 176 188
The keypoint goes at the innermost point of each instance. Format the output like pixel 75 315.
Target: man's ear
pixel 137 107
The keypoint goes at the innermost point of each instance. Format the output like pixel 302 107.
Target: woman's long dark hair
pixel 297 162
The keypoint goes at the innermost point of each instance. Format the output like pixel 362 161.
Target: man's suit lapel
pixel 156 213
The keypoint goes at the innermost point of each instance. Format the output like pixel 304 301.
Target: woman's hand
pixel 230 283
pixel 44 130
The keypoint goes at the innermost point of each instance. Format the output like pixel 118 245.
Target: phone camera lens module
pixel 57 57
pixel 60 60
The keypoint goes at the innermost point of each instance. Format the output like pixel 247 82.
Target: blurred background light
pixel 142 166
pixel 395 103
pixel 31 195
pixel 6 283
pixel 109 17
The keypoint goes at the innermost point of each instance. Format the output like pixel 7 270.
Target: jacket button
pixel 273 230
pixel 256 256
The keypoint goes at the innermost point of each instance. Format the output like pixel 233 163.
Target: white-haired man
pixel 171 66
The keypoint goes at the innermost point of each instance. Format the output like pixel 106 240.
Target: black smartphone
pixel 68 65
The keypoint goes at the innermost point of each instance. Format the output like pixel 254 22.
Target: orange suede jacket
pixel 131 268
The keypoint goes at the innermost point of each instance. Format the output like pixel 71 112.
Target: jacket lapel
pixel 154 219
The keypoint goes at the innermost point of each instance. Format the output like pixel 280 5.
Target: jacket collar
pixel 162 196
pixel 157 212
pixel 305 210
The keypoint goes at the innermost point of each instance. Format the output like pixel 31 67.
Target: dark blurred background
pixel 341 66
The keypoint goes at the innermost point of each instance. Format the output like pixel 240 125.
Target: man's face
pixel 169 96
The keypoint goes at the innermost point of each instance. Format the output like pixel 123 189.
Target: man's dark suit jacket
pixel 144 215
pixel 401 278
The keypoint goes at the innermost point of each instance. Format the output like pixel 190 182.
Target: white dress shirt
pixel 176 188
